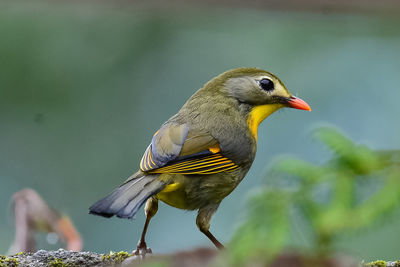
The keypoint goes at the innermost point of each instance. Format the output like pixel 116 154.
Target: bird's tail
pixel 126 200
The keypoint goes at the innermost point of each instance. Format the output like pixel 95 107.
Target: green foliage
pixel 327 196
pixel 255 237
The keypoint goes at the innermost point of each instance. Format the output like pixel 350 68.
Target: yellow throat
pixel 258 114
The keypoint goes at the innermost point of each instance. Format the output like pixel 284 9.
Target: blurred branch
pixel 32 215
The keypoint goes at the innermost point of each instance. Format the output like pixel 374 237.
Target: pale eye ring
pixel 266 84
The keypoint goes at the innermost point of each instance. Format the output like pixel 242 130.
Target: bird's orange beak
pixel 297 103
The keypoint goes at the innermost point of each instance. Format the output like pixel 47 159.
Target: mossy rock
pixel 63 258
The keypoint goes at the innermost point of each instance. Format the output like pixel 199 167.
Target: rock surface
pixel 194 258
pixel 61 258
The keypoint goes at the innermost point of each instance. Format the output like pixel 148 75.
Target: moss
pixel 106 257
pixel 379 263
pixel 56 263
pixel 116 257
pixel 8 261
pixel 59 263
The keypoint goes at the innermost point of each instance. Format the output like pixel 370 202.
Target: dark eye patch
pixel 267 84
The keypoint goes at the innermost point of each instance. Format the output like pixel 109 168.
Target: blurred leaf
pixel 254 239
pixel 357 158
pixel 326 195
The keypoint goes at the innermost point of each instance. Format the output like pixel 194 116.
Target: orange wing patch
pixel 215 149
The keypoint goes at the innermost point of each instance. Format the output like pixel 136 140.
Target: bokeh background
pixel 84 85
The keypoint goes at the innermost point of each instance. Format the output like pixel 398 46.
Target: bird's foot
pixel 141 250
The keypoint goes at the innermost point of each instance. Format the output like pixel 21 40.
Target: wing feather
pixel 177 150
pixel 208 164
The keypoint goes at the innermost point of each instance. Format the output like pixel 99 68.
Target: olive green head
pixel 254 87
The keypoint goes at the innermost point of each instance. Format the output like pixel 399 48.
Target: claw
pixel 142 250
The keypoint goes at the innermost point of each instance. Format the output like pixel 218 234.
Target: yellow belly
pixel 174 195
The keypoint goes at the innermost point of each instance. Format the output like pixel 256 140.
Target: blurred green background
pixel 83 86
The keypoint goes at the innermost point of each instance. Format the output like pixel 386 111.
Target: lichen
pixel 8 261
pixel 378 263
pixel 56 263
pixel 63 258
pixel 116 257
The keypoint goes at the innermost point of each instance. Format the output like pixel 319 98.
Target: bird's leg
pixel 203 223
pixel 150 210
pixel 213 239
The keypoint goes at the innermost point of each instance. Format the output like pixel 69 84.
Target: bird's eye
pixel 267 84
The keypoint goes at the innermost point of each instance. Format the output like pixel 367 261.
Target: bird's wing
pixel 176 149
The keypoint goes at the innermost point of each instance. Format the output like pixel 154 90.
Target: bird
pixel 201 154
